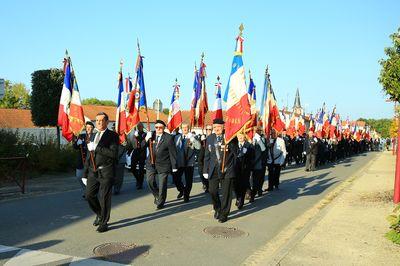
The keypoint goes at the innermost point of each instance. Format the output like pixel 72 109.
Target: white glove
pixel 174 170
pixel 79 142
pixel 257 137
pixel 205 176
pixel 244 150
pixel 91 146
pixel 189 135
pixel 136 134
pixel 203 137
pixel 304 152
pixel 148 136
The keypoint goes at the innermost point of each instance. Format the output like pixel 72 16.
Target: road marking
pixel 37 257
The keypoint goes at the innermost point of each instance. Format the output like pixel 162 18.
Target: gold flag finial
pixel 241 28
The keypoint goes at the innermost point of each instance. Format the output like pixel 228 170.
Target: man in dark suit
pixel 137 148
pixel 200 157
pixel 186 147
pixel 160 162
pixel 80 144
pixel 244 156
pixel 100 171
pixel 213 158
pixel 311 151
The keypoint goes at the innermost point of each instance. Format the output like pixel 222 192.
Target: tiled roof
pixel 18 118
pixel 15 118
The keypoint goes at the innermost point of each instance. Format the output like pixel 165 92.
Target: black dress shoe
pixel 240 205
pixel 237 203
pixel 186 198
pixel 222 219
pixel 269 189
pixel 251 199
pixel 160 206
pixel 180 195
pixel 216 215
pixel 102 228
pixel 259 193
pixel 96 221
pixel 139 187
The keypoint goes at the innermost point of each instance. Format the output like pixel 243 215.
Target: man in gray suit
pixel 186 147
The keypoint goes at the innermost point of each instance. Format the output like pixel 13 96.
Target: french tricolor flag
pixel 120 121
pixel 238 113
pixel 218 101
pixel 175 116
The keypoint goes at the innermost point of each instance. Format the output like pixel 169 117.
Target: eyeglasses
pixel 208 128
pixel 159 127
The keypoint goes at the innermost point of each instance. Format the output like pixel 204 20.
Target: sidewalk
pixel 352 228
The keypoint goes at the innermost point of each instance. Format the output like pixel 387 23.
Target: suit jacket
pixel 137 145
pixel 213 157
pixel 311 146
pixel 82 154
pixel 186 150
pixel 105 155
pixel 164 153
pixel 244 159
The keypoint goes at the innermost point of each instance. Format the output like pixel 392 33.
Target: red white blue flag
pixel 120 120
pixel 238 114
pixel 175 115
pixel 70 111
pixel 218 101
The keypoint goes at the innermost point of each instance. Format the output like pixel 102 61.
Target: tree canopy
pixel 45 99
pixel 95 101
pixel 382 126
pixel 390 72
pixel 15 96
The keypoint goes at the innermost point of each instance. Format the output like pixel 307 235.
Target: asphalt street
pixel 61 223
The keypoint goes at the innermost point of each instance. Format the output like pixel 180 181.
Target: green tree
pixel 390 72
pixel 15 96
pixel 165 111
pixel 45 98
pixel 95 101
pixel 382 126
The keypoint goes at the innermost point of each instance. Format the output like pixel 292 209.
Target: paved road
pixel 59 226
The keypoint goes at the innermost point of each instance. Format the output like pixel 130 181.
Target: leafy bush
pixel 42 157
pixel 394 220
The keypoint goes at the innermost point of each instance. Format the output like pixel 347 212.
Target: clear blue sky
pixel 329 49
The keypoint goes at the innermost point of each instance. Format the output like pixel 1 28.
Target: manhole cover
pixel 120 252
pixel 224 232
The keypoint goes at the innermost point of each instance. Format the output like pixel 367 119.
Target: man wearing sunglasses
pixel 160 161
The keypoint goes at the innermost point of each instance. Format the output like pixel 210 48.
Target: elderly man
pixel 259 163
pixel 160 162
pixel 100 171
pixel 276 158
pixel 186 147
pixel 200 157
pixel 80 144
pixel 213 162
pixel 137 147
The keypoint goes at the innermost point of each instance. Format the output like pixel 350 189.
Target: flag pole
pixel 147 116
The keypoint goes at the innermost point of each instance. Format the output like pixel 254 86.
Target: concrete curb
pixel 277 248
